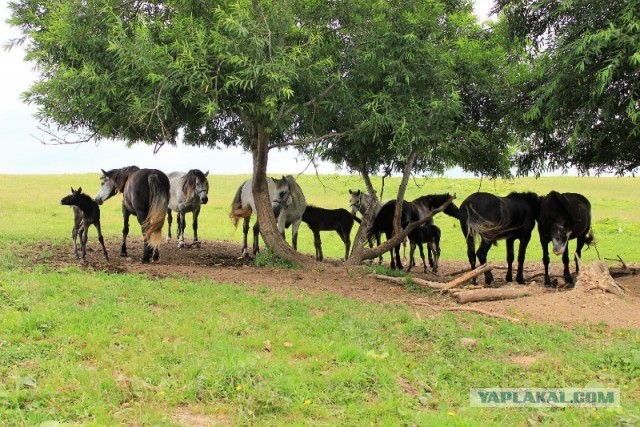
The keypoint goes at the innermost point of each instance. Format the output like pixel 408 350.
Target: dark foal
pixel 338 220
pixel 86 212
pixel 429 234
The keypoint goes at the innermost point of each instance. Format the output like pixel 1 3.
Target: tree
pixel 580 107
pixel 217 72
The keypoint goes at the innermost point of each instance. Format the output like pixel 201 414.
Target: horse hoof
pixel 181 245
pixel 123 254
pixel 196 244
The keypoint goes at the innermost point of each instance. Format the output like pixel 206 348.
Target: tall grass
pixel 29 209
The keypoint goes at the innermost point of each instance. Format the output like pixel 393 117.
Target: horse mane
pixel 120 176
pixel 189 182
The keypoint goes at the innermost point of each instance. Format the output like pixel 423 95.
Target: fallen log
pixel 470 275
pixel 402 281
pixel 464 297
pixel 596 276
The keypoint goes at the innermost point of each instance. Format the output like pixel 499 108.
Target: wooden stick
pixel 464 297
pixel 473 273
pixel 402 281
pixel 469 309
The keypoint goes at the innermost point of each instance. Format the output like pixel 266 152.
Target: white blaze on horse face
pixel 202 189
pixel 559 240
pixel 107 190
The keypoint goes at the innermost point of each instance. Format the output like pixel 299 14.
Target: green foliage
pixel 580 100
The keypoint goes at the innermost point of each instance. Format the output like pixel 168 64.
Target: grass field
pixel 85 347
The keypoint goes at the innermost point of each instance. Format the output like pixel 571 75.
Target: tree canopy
pixel 580 102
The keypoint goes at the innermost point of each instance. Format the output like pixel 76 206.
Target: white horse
pixel 288 204
pixel 188 192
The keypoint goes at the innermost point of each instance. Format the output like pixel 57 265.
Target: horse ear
pixel 72 190
pixel 350 192
pixel 103 172
pixel 79 190
pixel 206 173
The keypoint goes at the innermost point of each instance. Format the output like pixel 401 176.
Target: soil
pixel 222 262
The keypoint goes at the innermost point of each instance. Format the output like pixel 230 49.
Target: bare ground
pixel 221 262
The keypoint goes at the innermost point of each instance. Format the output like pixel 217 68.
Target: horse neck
pixel 121 176
pixel 85 204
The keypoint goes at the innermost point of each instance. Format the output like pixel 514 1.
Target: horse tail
pixel 158 201
pixel 237 211
pixel 355 218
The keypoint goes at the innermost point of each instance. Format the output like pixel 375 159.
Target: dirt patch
pixel 221 262
pixel 526 361
pixel 185 417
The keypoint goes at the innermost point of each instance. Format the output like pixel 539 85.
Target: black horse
pixel 494 218
pixel 86 213
pixel 320 219
pixel 564 217
pixel 429 234
pixel 145 194
pixel 411 212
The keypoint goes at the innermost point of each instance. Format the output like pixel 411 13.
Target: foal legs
pixel 195 214
pixel 101 240
pixel 169 220
pixel 318 245
pixel 125 232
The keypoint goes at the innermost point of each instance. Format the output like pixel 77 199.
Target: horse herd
pixel 149 194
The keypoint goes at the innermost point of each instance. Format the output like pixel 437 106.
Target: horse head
pixel 108 187
pixel 201 185
pixel 557 215
pixel 72 198
pixel 281 194
pixel 355 201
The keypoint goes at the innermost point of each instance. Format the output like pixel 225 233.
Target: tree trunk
pixel 367 219
pixel 268 226
pixel 360 255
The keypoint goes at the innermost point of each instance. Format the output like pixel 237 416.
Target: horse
pixel 86 212
pixel 495 218
pixel 288 204
pixel 429 234
pixel 410 212
pixel 339 220
pixel 359 201
pixel 145 194
pixel 187 193
pixel 564 217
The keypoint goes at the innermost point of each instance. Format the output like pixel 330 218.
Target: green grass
pixel 85 347
pixel 91 348
pixel 30 209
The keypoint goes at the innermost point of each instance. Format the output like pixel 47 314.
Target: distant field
pixel 30 209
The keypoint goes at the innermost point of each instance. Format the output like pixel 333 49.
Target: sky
pixel 23 153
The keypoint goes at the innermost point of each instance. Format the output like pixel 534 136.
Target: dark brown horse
pixel 494 218
pixel 145 194
pixel 86 213
pixel 411 212
pixel 338 220
pixel 564 217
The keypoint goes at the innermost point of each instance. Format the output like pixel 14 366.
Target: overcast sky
pixel 22 152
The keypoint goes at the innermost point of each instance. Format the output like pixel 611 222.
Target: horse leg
pixel 195 213
pixel 245 232
pixel 147 251
pixel 432 247
pixel 85 236
pixel 256 235
pixel 424 263
pixel 125 232
pixel 346 239
pixel 522 252
pixel 398 261
pixel 578 255
pixel 378 239
pixel 482 259
pixel 318 245
pixel 294 233
pixel 169 220
pixel 471 254
pixel 545 261
pixel 74 235
pixel 101 240
pixel 566 273
pixel 181 226
pixel 510 257
pixel 412 251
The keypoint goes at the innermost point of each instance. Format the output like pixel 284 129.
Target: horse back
pixel 136 196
